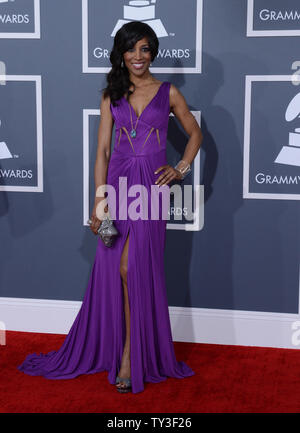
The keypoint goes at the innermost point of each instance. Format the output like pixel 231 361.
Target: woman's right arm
pixel 103 156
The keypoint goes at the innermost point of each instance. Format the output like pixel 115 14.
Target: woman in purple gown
pixel 123 325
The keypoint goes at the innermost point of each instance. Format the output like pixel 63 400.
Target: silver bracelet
pixel 183 167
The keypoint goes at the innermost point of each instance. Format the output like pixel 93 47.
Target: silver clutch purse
pixel 107 231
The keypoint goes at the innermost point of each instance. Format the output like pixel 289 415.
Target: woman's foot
pixel 124 372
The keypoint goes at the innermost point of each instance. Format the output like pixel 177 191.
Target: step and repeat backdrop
pixel 234 267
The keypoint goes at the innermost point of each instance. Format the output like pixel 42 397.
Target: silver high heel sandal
pixel 127 387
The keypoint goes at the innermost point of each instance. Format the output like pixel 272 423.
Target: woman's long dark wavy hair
pixel 118 81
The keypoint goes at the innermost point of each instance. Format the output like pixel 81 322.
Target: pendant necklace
pixel 133 129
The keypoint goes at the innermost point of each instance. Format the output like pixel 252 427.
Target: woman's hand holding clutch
pixel 95 221
pixel 103 224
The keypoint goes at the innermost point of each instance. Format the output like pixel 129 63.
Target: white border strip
pixel 196 325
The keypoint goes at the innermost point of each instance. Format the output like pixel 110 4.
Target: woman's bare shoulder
pixel 175 96
pixel 174 91
pixel 105 101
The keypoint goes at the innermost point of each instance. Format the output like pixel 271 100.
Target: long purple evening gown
pixel 96 339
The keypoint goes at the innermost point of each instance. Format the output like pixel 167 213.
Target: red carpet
pixel 229 379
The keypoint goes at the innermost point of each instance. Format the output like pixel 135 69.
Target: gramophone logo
pixel 4 151
pixel 180 51
pixel 290 154
pixel 139 10
pixel 19 19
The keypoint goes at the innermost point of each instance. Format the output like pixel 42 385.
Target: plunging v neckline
pixel 156 94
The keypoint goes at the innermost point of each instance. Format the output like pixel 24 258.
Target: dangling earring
pixel 122 64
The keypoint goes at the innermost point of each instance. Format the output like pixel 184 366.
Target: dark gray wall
pixel 247 254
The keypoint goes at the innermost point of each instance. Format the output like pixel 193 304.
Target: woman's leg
pixel 125 364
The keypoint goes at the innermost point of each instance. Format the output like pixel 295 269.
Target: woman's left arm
pixel 179 107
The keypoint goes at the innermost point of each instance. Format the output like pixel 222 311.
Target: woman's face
pixel 138 59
